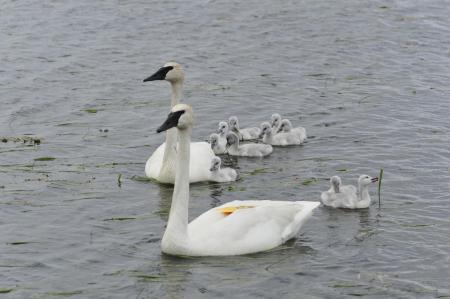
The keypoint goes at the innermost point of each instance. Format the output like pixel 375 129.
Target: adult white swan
pixel 237 227
pixel 348 196
pixel 161 165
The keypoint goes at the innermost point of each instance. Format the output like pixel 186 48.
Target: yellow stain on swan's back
pixel 229 210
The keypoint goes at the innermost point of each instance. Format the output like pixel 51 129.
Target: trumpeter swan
pixel 237 227
pixel 161 164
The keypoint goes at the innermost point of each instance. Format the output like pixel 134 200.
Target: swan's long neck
pixel 167 171
pixel 176 231
pixel 177 88
pixel 363 193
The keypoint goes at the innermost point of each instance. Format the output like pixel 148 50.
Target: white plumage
pixel 238 227
pixel 161 164
pixel 348 196
pixel 246 150
pixel 243 134
pixel 279 139
pixel 221 175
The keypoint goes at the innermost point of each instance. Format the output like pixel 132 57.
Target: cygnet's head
pixel 214 139
pixel 335 183
pixel 223 128
pixel 265 129
pixel 365 180
pixel 215 164
pixel 285 126
pixel 180 116
pixel 275 120
pixel 171 71
pixel 234 123
pixel 232 139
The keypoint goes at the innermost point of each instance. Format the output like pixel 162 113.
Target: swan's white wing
pixel 154 163
pixel 256 226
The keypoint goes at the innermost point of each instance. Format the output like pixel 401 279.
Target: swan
pixel 275 122
pixel 286 127
pixel 246 150
pixel 348 196
pixel 244 134
pixel 221 175
pixel 235 228
pixel 161 164
pixel 216 146
pixel 270 137
pixel 222 130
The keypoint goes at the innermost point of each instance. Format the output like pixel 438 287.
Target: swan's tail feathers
pixel 303 214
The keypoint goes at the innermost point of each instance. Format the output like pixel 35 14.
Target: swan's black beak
pixel 373 180
pixel 171 121
pixel 160 74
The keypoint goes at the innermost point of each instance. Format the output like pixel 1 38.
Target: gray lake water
pixel 369 80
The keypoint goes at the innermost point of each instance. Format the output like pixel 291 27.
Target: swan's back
pixel 242 227
pixel 255 150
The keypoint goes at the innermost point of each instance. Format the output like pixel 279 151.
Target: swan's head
pixel 232 139
pixel 275 120
pixel 214 140
pixel 365 180
pixel 171 71
pixel 223 127
pixel 234 123
pixel 285 126
pixel 180 116
pixel 215 164
pixel 335 183
pixel 265 129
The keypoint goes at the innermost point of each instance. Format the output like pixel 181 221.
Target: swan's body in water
pixel 161 165
pixel 348 196
pixel 235 228
pixel 286 127
pixel 216 146
pixel 246 150
pixel 269 136
pixel 221 175
pixel 243 134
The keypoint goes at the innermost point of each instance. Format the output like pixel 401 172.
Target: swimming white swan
pixel 348 196
pixel 270 137
pixel 237 227
pixel 246 150
pixel 161 164
pixel 216 146
pixel 243 134
pixel 275 122
pixel 286 127
pixel 221 175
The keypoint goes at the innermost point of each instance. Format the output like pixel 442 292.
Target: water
pixel 368 80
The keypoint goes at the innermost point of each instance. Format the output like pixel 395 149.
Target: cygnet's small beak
pixel 373 180
pixel 211 169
